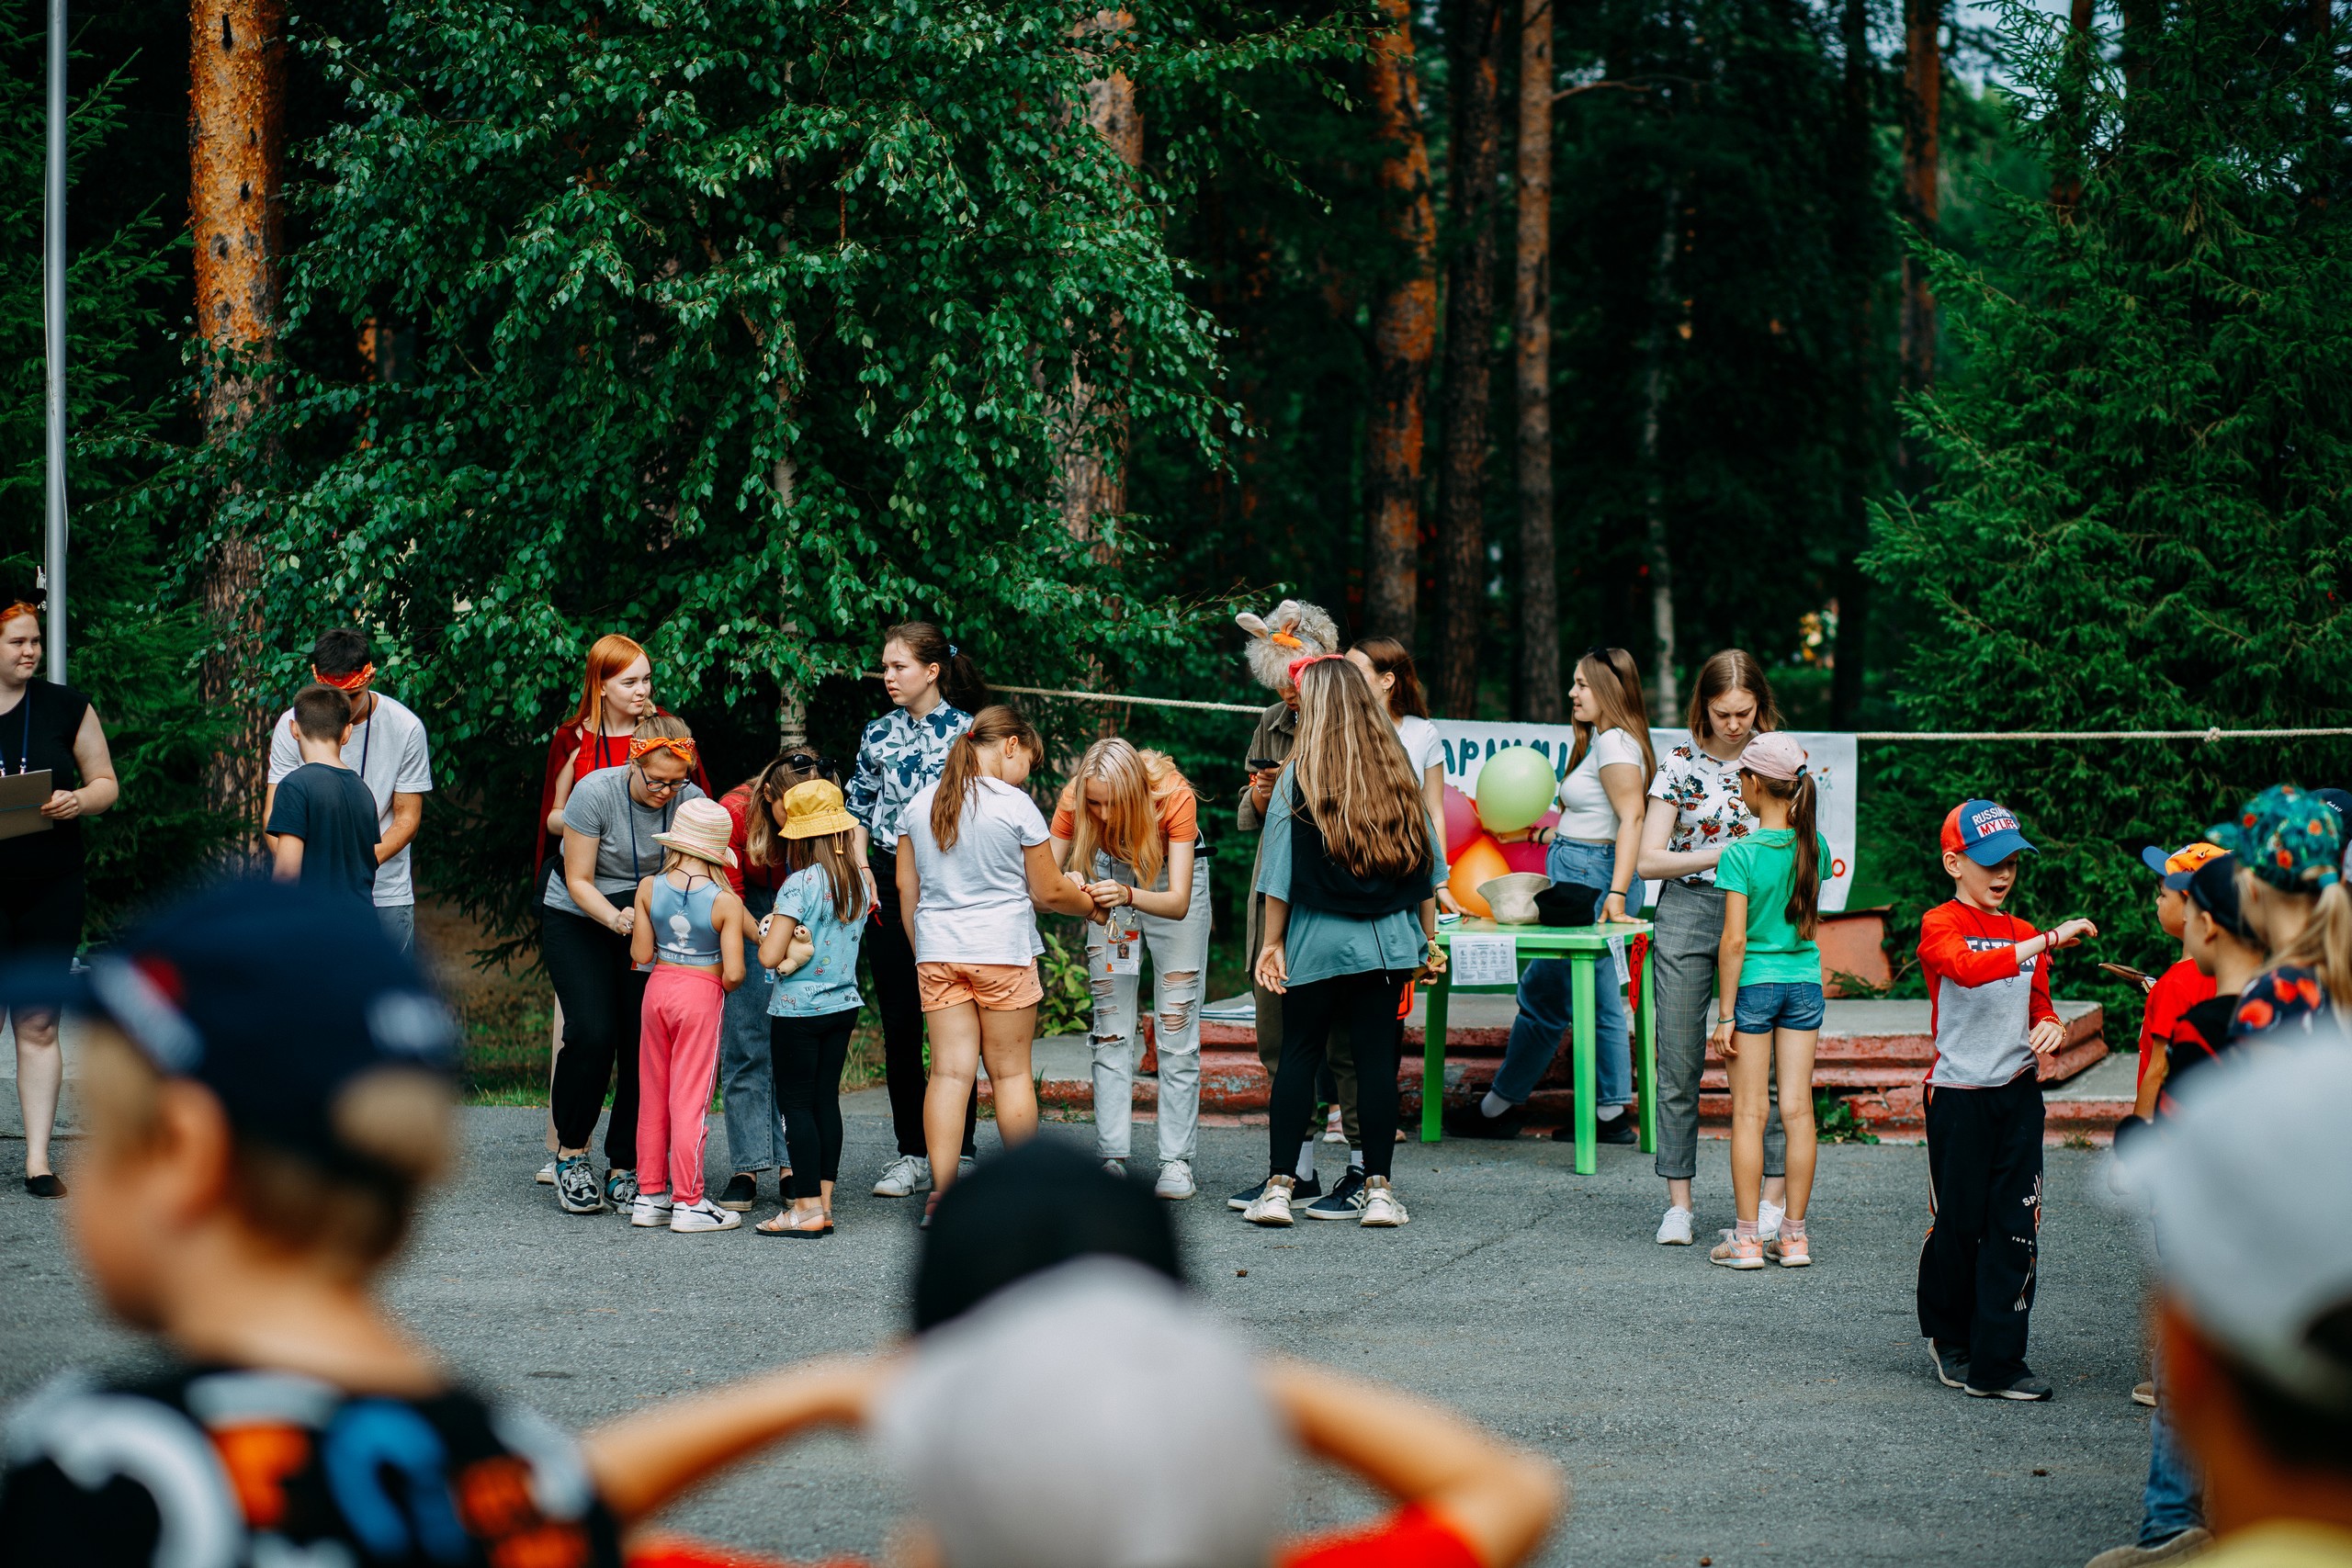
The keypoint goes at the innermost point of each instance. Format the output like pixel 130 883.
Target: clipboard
pixel 21 797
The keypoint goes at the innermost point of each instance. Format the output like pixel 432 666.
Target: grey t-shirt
pixel 601 806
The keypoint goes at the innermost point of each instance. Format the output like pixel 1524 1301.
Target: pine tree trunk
pixel 2066 178
pixel 1665 689
pixel 1851 648
pixel 1477 33
pixel 1404 334
pixel 1538 618
pixel 236 113
pixel 1923 78
pixel 1093 473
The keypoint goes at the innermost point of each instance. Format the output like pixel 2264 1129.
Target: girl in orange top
pixel 1128 824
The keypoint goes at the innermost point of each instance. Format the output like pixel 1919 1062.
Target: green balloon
pixel 1515 787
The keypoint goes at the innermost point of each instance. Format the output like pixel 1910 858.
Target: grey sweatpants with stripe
pixel 1682 946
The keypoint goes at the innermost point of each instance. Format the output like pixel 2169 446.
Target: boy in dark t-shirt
pixel 322 826
pixel 259 1130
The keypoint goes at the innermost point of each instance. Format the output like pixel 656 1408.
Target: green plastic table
pixel 1582 946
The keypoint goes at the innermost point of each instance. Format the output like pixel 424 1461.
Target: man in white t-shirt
pixel 387 751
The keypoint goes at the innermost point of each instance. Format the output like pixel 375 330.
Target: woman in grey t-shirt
pixel 587 908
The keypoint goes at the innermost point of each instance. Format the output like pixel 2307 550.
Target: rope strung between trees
pixel 2208 736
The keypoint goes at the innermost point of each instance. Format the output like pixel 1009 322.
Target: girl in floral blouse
pixel 1698 812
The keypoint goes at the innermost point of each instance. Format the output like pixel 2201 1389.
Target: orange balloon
pixel 1480 861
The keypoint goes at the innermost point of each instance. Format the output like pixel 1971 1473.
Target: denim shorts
pixel 1778 1004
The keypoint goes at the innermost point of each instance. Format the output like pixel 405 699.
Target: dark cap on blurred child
pixel 2214 887
pixel 274 996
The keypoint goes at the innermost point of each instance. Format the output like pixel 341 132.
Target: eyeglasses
pixel 660 786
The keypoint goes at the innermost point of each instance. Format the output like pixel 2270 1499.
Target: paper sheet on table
pixel 1484 958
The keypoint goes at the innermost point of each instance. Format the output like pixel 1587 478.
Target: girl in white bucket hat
pixel 692 929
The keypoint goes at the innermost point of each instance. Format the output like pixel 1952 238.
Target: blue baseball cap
pixel 2174 868
pixel 1985 831
pixel 274 996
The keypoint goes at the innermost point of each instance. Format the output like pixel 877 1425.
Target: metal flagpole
pixel 53 318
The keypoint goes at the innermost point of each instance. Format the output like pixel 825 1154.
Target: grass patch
pixel 1835 1120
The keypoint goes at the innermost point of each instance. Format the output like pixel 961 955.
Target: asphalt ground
pixel 1781 1416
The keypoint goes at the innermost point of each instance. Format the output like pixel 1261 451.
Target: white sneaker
pixel 1381 1204
pixel 1768 1219
pixel 649 1210
pixel 547 1173
pixel 704 1215
pixel 1110 1168
pixel 903 1178
pixel 1175 1180
pixel 1271 1207
pixel 1675 1229
pixel 1333 1132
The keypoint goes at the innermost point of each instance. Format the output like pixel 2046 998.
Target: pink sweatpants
pixel 677 1057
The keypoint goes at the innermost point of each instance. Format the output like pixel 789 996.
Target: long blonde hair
pixel 2324 945
pixel 961 776
pixel 1131 831
pixel 1616 684
pixel 1353 776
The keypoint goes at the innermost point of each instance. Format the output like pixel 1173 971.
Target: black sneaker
pixel 575 1187
pixel 1616 1129
pixel 1469 1121
pixel 620 1189
pixel 2027 1387
pixel 1950 1364
pixel 1346 1201
pixel 1304 1187
pixel 743 1189
pixel 45 1185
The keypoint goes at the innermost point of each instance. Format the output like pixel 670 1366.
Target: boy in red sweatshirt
pixel 1988 1003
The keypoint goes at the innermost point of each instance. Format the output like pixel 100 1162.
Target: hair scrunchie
pixel 1298 664
pixel 676 745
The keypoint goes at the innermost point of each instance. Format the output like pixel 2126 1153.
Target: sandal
pixel 783 1225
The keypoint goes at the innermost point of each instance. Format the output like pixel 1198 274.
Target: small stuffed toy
pixel 1295 630
pixel 797 952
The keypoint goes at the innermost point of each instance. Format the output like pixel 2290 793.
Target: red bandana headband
pixel 350 683
pixel 1298 664
pixel 683 749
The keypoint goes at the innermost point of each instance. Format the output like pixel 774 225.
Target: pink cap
pixel 1774 754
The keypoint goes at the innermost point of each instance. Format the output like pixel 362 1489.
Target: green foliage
pixel 1835 1120
pixel 1069 1007
pixel 745 327
pixel 2140 519
pixel 131 652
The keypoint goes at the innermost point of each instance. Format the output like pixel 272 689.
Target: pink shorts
pixel 994 987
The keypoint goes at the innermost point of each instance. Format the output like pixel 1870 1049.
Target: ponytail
pixel 961 776
pixel 1805 895
pixel 959 677
pixel 2324 946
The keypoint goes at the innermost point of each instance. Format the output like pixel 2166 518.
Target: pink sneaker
pixel 1732 1252
pixel 1789 1251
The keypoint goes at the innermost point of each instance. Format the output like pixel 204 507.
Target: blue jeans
pixel 1547 1000
pixel 1768 1005
pixel 754 1129
pixel 2171 1502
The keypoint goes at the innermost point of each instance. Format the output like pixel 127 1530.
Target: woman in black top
pixel 44 725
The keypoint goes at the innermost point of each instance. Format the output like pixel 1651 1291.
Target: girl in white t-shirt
pixel 1594 846
pixel 968 894
pixel 1388 665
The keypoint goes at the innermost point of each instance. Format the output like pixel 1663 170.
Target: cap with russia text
pixel 1985 831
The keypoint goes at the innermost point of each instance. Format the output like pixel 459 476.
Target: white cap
pixel 1090 1416
pixel 2250 1182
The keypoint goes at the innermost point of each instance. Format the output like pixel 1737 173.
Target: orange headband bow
pixel 682 750
pixel 350 683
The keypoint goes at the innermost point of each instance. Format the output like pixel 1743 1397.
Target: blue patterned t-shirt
pixel 896 756
pixel 828 982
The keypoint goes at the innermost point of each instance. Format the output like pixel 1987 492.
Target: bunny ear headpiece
pixel 1295 630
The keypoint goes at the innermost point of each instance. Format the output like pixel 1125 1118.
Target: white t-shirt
pixel 1421 743
pixel 1708 811
pixel 974 906
pixel 1586 811
pixel 390 754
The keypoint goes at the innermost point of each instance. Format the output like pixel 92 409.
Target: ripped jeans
pixel 1179 951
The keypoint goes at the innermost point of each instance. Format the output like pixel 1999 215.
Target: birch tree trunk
pixel 1476 35
pixel 1404 336
pixel 1539 615
pixel 236 103
pixel 1665 689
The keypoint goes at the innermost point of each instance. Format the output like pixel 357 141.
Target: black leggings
pixel 603 1003
pixel 1364 1007
pixel 805 1055
pixel 898 1000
